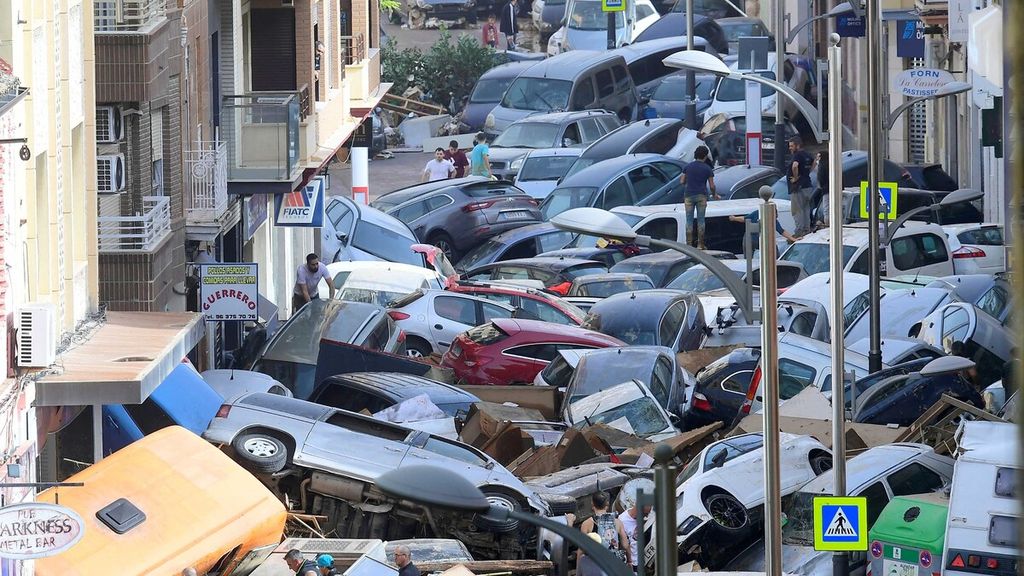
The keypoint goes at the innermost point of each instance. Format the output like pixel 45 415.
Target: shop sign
pixel 255 214
pixel 302 208
pixel 38 530
pixel 918 82
pixel 229 291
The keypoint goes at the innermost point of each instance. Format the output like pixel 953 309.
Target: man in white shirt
pixel 629 525
pixel 307 282
pixel 439 168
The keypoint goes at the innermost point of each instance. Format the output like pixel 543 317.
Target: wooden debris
pixel 485 567
pixel 938 424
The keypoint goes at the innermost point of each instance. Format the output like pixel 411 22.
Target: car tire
pixel 820 462
pixel 726 512
pixel 444 242
pixel 417 347
pixel 261 452
pixel 501 499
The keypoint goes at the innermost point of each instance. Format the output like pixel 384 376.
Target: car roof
pixel 868 466
pixel 599 174
pixel 640 305
pixel 550 263
pixel 666 257
pixel 740 207
pixel 405 386
pixel 553 331
pixel 568 65
pixel 620 140
pixel 892 347
pixel 508 70
pixel 517 234
pixel 376 216
pixel 672 24
pixel 561 117
pixel 609 276
pixel 549 152
pixel 856 234
pixel 820 348
pixel 402 195
pixel 633 52
pixel 732 176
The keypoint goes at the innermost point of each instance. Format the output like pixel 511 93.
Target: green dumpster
pixel 908 536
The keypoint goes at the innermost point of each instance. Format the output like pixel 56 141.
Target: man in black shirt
pixel 403 559
pixel 800 188
pixel 697 178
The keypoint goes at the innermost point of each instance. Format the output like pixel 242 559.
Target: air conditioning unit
pixel 37 335
pixel 110 174
pixel 109 125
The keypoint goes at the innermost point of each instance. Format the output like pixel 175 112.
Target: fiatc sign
pixel 303 207
pixel 229 291
pixel 38 530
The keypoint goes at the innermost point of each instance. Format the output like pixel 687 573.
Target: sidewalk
pixel 402 170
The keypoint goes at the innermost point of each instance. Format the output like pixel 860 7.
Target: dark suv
pixel 459 214
pixel 554 130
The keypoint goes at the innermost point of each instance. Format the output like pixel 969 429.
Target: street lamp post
pixel 841 9
pixel 873 23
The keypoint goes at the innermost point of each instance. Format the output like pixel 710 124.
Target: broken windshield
pixel 540 94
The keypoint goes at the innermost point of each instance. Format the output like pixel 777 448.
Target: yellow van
pixel 164 503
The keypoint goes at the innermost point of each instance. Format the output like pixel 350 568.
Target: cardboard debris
pixel 571 450
pixel 545 399
pixel 513 567
pixel 694 360
pixel 938 424
pixel 681 444
pixel 601 434
pixel 859 437
pixel 808 403
pixel 484 419
pixel 507 444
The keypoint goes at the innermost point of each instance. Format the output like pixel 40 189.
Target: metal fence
pixel 138 233
pixel 206 176
pixel 355 48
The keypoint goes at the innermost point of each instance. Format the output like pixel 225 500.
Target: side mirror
pixel 718 460
pixel 341 236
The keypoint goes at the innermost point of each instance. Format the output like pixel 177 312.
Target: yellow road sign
pixel 840 523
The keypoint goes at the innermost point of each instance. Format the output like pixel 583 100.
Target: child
pixel 490 32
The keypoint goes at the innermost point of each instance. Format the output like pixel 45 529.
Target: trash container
pixel 907 538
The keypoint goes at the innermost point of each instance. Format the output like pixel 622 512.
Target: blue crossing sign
pixel 840 523
pixel 889 191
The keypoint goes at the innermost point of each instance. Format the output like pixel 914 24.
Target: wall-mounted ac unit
pixel 37 335
pixel 110 174
pixel 109 125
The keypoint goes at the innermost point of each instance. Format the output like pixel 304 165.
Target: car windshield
pixel 299 339
pixel 814 256
pixel 735 90
pixel 562 199
pixel 641 417
pixel 630 330
pixel 656 270
pixel 606 288
pixel 589 16
pixel 593 376
pixel 580 164
pixel 489 90
pixel 480 255
pixel 544 168
pixel 527 135
pixel 541 94
pixel 733 32
pixel 673 88
pixel 698 279
pixel 584 270
pixel 798 527
pixel 385 244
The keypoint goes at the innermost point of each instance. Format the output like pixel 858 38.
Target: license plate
pixel 768 145
pixel 514 215
pixel 894 568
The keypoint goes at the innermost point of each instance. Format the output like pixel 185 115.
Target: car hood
pixel 505 116
pixel 537 188
pixel 593 39
pixel 500 154
pixel 804 560
pixel 606 400
pixel 475 113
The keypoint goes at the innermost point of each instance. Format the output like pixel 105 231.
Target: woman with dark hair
pixel 609 533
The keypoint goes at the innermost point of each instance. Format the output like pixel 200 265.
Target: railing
pixel 127 15
pixel 305 102
pixel 140 233
pixel 206 176
pixel 355 48
pixel 261 130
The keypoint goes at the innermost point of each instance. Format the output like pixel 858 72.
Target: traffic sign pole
pixel 610 7
pixel 611 30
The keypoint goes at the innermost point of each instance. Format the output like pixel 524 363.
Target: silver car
pixel 268 432
pixel 432 318
pixel 354 231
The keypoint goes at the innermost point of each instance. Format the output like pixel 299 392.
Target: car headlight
pixel 489 122
pixel 516 164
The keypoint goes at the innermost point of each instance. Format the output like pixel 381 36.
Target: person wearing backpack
pixel 610 531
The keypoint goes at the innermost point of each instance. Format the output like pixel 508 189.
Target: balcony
pixel 206 182
pixel 262 132
pixel 128 16
pixel 362 69
pixel 139 233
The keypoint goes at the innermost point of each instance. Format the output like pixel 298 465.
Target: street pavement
pixel 403 169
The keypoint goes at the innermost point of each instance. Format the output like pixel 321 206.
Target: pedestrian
pixel 403 559
pixel 821 165
pixel 611 534
pixel 509 25
pixel 302 567
pixel 628 519
pixel 697 178
pixel 457 158
pixel 755 217
pixel 800 185
pixel 438 167
pixel 307 282
pixel 490 31
pixel 325 562
pixel 479 157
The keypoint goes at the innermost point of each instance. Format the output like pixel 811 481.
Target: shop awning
pixel 123 361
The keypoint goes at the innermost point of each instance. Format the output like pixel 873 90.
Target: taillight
pixel 968 252
pixel 755 380
pixel 533 201
pixel 561 289
pixel 474 206
pixel 401 336
pixel 700 402
pixel 396 315
pixel 223 411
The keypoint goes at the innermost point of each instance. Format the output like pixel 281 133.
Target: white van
pixel 916 249
pixel 981 530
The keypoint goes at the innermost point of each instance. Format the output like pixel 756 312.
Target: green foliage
pixel 450 68
pixel 390 6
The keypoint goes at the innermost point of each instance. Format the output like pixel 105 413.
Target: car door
pixel 345 443
pixel 336 236
pixel 925 253
pixel 618 193
pixel 450 315
pixel 649 185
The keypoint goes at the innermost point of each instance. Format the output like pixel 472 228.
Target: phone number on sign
pixel 216 317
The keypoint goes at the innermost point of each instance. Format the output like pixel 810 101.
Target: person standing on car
pixel 302 567
pixel 325 563
pixel 403 559
pixel 479 157
pixel 611 534
pixel 457 158
pixel 697 178
pixel 307 282
pixel 800 188
pixel 509 26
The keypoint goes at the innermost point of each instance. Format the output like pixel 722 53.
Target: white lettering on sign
pixel 918 82
pixel 38 530
pixel 229 291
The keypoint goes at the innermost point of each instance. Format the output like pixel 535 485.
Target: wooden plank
pixel 481 567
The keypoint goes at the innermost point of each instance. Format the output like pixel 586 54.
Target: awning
pixel 900 15
pixel 123 361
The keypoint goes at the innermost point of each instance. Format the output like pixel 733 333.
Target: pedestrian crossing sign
pixel 613 5
pixel 840 523
pixel 889 193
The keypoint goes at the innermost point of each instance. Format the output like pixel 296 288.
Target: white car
pixel 718 491
pixel 977 248
pixel 586 26
pixel 730 94
pixel 432 318
pixel 378 282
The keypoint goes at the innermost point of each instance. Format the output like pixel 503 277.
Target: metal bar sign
pixel 229 291
pixel 889 192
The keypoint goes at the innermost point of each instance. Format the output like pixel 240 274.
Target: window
pixel 149 416
pixel 1002 531
pixel 571 136
pixel 671 322
pixel 511 273
pixel 617 194
pixel 855 308
pixel 522 249
pixel 368 426
pixel 339 215
pixel 456 309
pixel 955 324
pixel 351 399
pixel 378 339
pixel 738 383
pixel 540 94
pixel 659 143
pixel 661 380
pixel 412 211
pixel 621 78
pixel 584 95
pixel 453 451
pixel 646 180
pixel 486 334
pixel 793 377
pixel 877 498
pixel 914 479
pixel 661 228
pixel 643 11
pixel 994 302
pixel 862 265
pixel 1006 482
pixel 490 312
pixel 667 168
pixel 542 352
pixel 544 311
pixel 609 122
pixel 918 250
pixel 991 236
pixel 605 85
pixel 503 298
pixel 553 241
pixel 591 130
pixel 803 324
pixel 439 201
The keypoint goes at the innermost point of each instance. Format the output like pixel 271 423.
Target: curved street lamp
pixel 443 488
pixel 841 9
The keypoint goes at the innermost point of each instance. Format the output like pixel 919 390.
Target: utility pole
pixel 873 23
pixel 770 387
pixel 780 59
pixel 691 78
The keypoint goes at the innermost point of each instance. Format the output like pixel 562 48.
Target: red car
pixel 535 304
pixel 512 351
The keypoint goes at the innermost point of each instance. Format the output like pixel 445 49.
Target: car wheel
pixel 417 348
pixel 261 452
pixel 820 463
pixel 726 511
pixel 444 242
pixel 501 500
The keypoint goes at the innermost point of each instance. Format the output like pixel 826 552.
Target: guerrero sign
pixel 922 81
pixel 229 292
pixel 38 530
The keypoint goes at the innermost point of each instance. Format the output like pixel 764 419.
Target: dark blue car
pixel 525 242
pixel 901 399
pixel 489 90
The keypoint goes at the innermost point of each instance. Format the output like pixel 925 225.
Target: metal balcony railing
pixel 139 233
pixel 206 182
pixel 355 48
pixel 132 16
pixel 261 130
